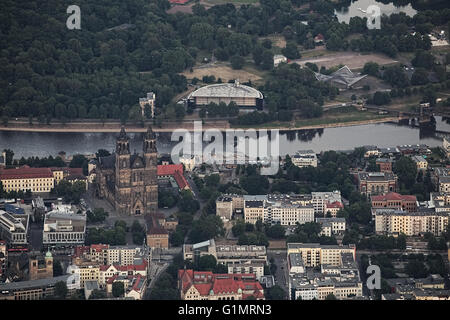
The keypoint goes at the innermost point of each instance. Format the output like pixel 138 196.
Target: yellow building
pixel 314 254
pixel 391 221
pixel 85 272
pixel 26 178
pixel 254 210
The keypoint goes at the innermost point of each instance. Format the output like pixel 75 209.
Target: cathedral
pixel 129 181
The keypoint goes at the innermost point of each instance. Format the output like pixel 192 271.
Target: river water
pixel 42 144
pixel 345 13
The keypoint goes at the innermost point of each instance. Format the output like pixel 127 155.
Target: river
pixel 353 10
pixel 42 144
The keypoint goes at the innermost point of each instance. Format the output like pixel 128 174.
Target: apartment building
pixel 276 209
pixel 439 201
pixel 27 178
pixel 393 221
pixel 385 164
pixel 225 253
pixel 441 179
pixel 109 271
pixel 238 258
pixel 341 278
pixel 104 254
pixel 247 268
pixel 304 158
pixel 224 207
pixel 421 162
pixel 285 209
pixel 14 228
pixel 314 254
pixel 85 273
pixel 254 208
pixel 324 202
pixel 332 226
pixel 134 285
pixel 62 226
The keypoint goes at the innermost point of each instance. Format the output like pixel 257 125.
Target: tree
pixel 406 170
pixel 239 228
pixel 380 98
pixel 416 269
pixel 423 59
pixel 207 263
pixel 291 51
pixel 275 293
pixel 330 297
pixel 419 77
pixel 102 153
pixel 396 76
pixel 237 62
pixel 118 289
pixel 371 68
pixel 97 294
pixel 60 290
pixel 276 232
pixel 254 184
pixel 267 60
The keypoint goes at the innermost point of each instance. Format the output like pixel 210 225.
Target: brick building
pixel 376 183
pixel 205 285
pixel 395 201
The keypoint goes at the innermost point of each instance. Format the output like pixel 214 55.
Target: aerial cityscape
pixel 212 150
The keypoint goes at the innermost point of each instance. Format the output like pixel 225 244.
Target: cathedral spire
pixel 150 134
pixel 123 134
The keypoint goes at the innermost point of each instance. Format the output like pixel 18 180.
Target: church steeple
pixel 122 143
pixel 149 141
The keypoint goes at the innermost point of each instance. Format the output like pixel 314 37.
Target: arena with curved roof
pixel 242 95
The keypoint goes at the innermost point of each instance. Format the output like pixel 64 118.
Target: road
pixel 281 275
pixel 196 197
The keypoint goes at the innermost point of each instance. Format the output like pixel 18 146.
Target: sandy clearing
pixel 353 60
pixel 224 72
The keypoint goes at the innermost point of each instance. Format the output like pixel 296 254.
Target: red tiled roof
pixel 136 283
pixel 335 204
pixel 169 169
pixel 104 267
pixel 203 288
pixel 25 172
pixel 175 170
pixel 181 180
pixel 134 267
pixel 112 279
pixel 394 196
pixel 204 282
pixel 99 247
pixel 319 37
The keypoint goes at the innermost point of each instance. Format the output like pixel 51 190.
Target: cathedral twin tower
pixel 129 181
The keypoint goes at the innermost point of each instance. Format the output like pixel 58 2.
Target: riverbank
pixel 108 127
